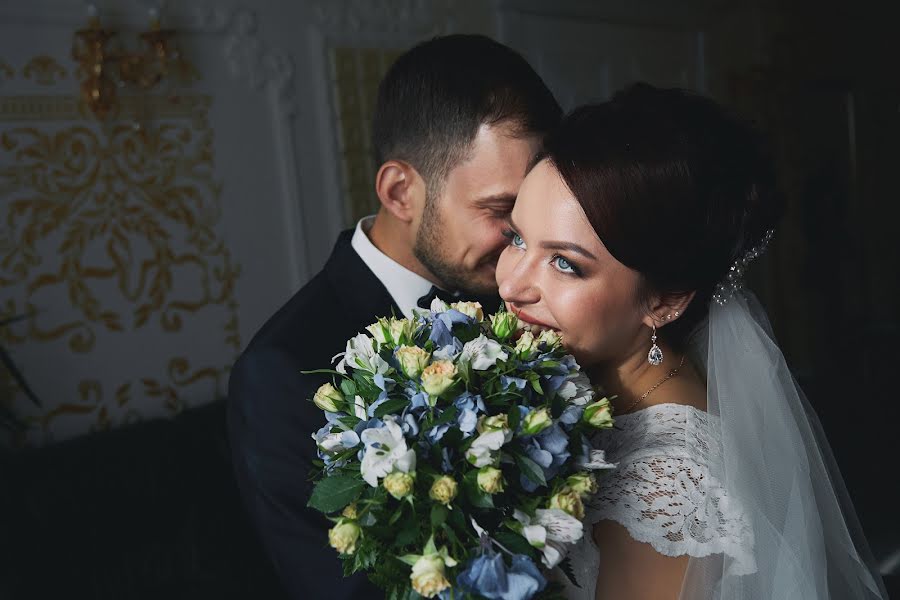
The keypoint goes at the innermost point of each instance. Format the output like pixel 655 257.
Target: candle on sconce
pixel 154 12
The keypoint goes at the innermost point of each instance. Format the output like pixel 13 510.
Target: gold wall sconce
pixel 105 66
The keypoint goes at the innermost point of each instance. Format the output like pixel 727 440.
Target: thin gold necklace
pixel 671 374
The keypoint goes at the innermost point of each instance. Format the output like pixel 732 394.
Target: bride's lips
pixel 529 320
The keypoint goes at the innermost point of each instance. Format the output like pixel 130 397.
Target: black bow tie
pixel 436 292
pixel 490 304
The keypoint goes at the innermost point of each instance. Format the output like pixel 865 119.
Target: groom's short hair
pixel 435 97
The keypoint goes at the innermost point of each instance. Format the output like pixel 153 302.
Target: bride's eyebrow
pixel 572 247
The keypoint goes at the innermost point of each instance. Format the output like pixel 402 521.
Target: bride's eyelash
pixel 510 235
pixel 574 269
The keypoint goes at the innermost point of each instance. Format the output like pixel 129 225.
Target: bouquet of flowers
pixel 456 454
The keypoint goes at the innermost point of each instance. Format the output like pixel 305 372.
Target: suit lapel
pixel 362 295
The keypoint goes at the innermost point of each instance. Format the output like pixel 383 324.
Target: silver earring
pixel 655 356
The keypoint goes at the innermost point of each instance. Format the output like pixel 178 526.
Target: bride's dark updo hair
pixel 675 187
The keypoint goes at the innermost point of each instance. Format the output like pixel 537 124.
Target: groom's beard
pixel 430 247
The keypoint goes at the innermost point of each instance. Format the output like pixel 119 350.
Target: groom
pixel 456 123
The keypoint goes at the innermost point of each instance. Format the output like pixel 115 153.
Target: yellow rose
pixel 470 309
pixel 443 490
pixel 490 480
pixel 536 421
pixel 438 377
pixel 551 338
pixel 526 344
pixel 413 360
pixel 402 331
pixel 398 484
pixel 599 414
pixel 428 576
pixel 496 423
pixel 392 332
pixel 344 536
pixel 568 500
pixel 350 511
pixel 583 483
pixel 328 398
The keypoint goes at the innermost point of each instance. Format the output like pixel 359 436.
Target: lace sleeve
pixel 671 504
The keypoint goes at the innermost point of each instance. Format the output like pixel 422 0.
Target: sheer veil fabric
pixel 769 453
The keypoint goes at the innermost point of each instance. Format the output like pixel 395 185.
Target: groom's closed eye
pixel 500 205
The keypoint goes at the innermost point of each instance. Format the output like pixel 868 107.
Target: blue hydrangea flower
pixel 488 576
pixel 549 449
pixel 470 406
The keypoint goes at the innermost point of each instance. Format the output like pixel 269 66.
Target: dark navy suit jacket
pixel 271 418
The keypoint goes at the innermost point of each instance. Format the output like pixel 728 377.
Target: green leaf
pixel 515 543
pixel 566 567
pixel 513 417
pixel 535 381
pixel 473 493
pixel 334 493
pixel 348 388
pixel 391 406
pixel 397 514
pixel 446 416
pixel 322 372
pixel 408 533
pixel 530 469
pixel 438 515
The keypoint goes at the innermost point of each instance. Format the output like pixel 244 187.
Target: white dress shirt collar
pixel 404 286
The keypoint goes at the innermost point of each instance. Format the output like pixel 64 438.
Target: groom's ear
pixel 401 190
pixel 667 309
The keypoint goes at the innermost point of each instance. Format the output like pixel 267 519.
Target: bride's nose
pixel 519 285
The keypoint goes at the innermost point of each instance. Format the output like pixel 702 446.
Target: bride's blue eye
pixel 514 238
pixel 564 265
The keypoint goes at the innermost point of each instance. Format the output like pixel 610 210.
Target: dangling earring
pixel 655 356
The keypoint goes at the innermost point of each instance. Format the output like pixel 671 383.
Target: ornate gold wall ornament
pixel 44 70
pixel 111 235
pixel 104 66
pixel 6 71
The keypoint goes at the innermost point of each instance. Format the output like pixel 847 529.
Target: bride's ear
pixel 401 190
pixel 667 309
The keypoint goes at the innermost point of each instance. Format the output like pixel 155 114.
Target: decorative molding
pixel 44 70
pixel 251 59
pixel 383 16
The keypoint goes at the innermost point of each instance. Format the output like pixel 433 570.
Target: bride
pixel 630 236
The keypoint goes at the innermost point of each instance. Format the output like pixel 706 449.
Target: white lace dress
pixel 662 493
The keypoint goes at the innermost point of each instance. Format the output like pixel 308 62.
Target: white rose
pixel 470 309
